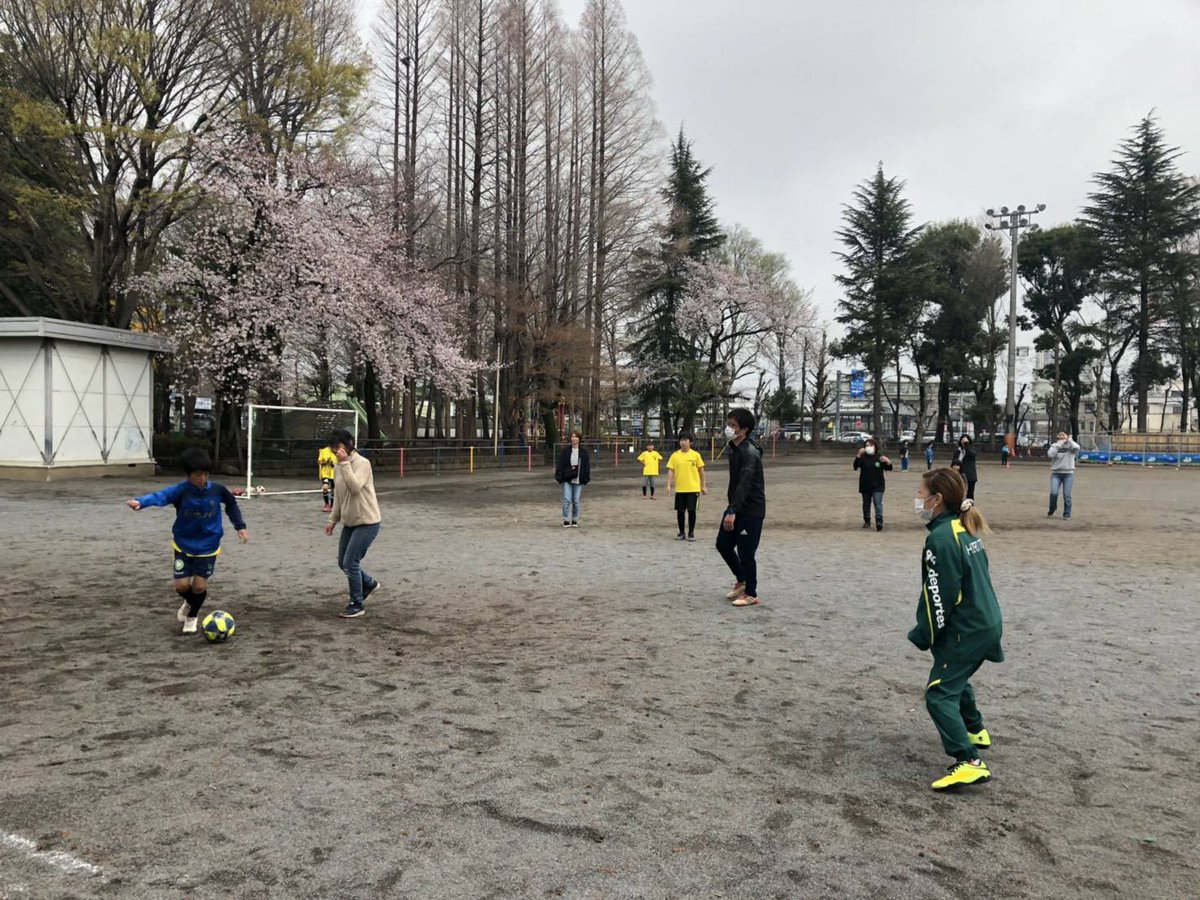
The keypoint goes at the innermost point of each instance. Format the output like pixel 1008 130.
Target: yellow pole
pixel 472 460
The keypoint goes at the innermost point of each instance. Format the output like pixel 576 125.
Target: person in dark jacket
pixel 742 522
pixel 871 466
pixel 572 470
pixel 958 620
pixel 964 461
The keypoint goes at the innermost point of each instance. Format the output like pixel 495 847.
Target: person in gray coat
pixel 1062 472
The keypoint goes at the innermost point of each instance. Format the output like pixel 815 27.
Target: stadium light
pixel 1013 224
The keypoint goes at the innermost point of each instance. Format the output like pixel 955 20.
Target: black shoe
pixel 566 524
pixel 866 523
pixel 352 611
pixel 367 592
pixel 879 526
pixel 691 538
pixel 574 524
pixel 680 536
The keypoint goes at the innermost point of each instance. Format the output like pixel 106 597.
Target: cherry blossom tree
pixel 722 316
pixel 285 247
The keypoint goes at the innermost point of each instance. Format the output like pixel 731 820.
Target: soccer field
pixel 532 711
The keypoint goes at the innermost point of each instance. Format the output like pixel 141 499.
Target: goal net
pixel 282 444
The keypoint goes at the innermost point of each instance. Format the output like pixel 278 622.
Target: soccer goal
pixel 282 444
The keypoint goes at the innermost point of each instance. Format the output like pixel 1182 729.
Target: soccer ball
pixel 260 490
pixel 218 625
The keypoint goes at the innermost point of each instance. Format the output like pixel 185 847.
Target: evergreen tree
pixel 1140 211
pixel 876 306
pixel 944 263
pixel 690 232
pixel 1060 268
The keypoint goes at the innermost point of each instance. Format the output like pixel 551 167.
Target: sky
pixel 973 103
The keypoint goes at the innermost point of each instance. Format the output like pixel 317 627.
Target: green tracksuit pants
pixel 950 700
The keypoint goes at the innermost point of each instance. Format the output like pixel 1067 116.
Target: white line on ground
pixel 64 862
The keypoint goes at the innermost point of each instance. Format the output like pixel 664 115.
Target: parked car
pixel 203 422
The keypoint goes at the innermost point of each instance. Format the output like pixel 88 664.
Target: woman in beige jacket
pixel 355 506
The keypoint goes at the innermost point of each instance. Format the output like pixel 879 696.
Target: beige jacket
pixel 354 500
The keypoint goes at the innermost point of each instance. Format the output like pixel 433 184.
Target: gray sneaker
pixel 352 611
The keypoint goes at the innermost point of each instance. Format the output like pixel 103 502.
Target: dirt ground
pixel 527 711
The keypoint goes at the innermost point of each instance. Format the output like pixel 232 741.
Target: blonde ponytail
pixel 972 518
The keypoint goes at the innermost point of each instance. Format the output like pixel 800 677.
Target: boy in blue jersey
pixel 197 530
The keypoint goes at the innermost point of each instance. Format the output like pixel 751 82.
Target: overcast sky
pixel 974 103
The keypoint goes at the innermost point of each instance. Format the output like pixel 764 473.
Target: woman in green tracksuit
pixel 958 618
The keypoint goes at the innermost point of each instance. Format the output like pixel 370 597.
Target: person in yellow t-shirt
pixel 685 473
pixel 326 466
pixel 649 458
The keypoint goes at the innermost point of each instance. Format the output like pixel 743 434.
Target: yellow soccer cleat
pixel 963 773
pixel 980 739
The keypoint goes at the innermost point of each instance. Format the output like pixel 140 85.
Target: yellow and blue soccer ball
pixel 218 625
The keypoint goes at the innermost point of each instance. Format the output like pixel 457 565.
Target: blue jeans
pixel 571 495
pixel 1064 481
pixel 352 547
pixel 904 464
pixel 877 499
pixel 738 547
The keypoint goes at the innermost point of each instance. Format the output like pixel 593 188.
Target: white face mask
pixel 922 513
pixel 870 450
pixel 730 434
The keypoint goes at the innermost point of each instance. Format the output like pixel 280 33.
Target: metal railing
pixel 1178 449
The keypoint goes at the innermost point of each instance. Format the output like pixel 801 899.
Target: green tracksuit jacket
pixel 958 617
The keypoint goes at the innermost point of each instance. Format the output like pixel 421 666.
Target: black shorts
pixel 200 566
pixel 686 502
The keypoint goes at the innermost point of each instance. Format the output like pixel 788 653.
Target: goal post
pixel 282 443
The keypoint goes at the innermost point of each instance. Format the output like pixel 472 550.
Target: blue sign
pixel 1138 458
pixel 1096 456
pixel 1162 459
pixel 858 384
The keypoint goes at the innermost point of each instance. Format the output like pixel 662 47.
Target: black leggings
pixel 691 520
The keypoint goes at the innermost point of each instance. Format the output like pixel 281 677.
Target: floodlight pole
pixel 1012 221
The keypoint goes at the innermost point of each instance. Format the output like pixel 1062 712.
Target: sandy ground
pixel 527 711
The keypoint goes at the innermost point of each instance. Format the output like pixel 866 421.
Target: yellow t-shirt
pixel 326 460
pixel 686 467
pixel 650 460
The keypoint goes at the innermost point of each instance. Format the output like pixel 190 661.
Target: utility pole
pixel 1012 221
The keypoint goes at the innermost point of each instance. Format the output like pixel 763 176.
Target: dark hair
pixel 743 417
pixel 575 432
pixel 195 459
pixel 341 436
pixel 953 488
pixel 965 437
pixel 685 436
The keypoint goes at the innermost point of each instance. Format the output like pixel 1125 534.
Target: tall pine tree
pixel 878 242
pixel 1140 211
pixel 690 232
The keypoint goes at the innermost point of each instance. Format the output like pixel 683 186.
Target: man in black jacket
pixel 741 526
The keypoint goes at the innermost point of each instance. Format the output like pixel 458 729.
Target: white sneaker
pixel 184 609
pixel 190 624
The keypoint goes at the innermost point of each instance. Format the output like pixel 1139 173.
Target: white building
pixel 75 399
